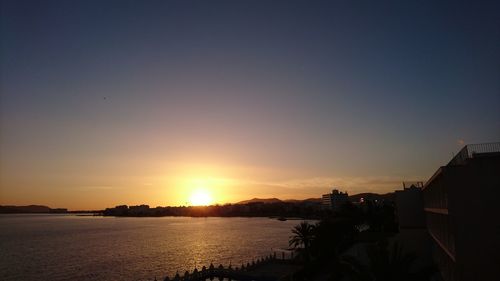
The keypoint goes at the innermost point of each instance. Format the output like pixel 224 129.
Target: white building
pixel 335 199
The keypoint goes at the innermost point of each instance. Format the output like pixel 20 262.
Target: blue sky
pixel 115 101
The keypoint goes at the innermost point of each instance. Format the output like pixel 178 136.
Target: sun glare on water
pixel 200 197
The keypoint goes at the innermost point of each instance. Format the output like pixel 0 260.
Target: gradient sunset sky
pixel 130 102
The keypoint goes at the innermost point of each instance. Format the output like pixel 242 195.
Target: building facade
pixel 461 209
pixel 335 199
pixel 412 234
pixel 409 205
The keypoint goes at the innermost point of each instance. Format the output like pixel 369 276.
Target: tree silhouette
pixel 332 237
pixel 385 264
pixel 303 235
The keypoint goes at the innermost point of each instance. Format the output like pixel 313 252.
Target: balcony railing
pixel 470 150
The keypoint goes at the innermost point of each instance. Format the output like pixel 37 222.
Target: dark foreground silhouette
pixel 355 243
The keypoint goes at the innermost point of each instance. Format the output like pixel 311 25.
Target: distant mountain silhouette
pixel 29 209
pixel 259 200
pixel 352 198
pixel 308 200
pixel 372 196
pixel 276 200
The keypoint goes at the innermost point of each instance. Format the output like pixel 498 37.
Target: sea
pixel 57 247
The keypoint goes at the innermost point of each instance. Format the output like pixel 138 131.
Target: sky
pixel 130 102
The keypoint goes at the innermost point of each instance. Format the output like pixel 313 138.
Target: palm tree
pixel 303 235
pixel 333 236
pixel 386 264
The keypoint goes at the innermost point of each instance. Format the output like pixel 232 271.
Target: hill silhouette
pixel 352 198
pixel 261 200
pixel 372 196
pixel 30 209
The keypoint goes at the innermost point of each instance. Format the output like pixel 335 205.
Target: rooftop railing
pixel 470 150
pixel 409 184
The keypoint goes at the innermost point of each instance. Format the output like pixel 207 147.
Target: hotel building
pixel 335 199
pixel 461 204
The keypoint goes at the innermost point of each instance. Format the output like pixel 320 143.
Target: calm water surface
pixel 68 247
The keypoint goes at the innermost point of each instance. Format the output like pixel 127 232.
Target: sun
pixel 200 197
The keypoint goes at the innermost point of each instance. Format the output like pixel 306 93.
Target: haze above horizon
pixel 199 102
